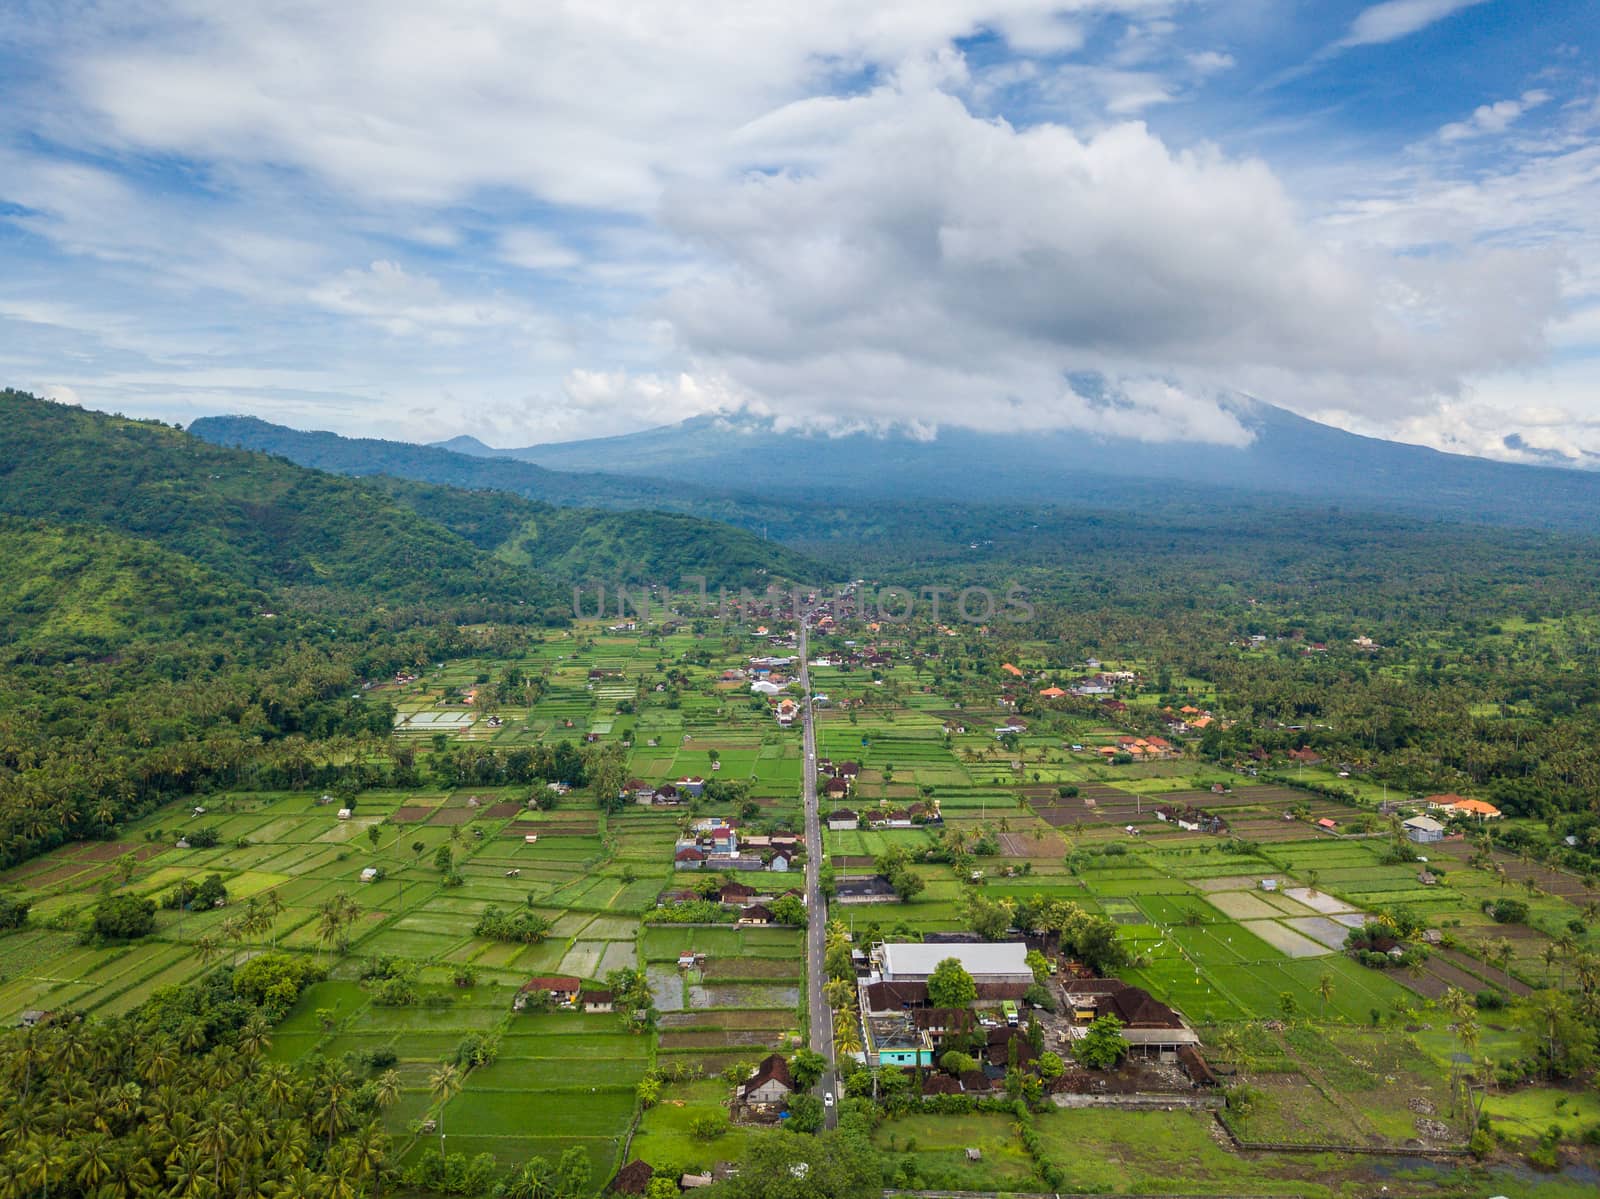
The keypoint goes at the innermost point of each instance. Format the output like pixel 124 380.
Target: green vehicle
pixel 1009 1007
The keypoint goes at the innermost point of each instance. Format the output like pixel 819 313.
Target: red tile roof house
pixel 688 858
pixel 633 1179
pixel 770 1084
pixel 755 914
pixel 736 893
pixel 562 990
pixel 596 1001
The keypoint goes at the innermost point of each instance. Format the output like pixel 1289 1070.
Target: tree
pixel 989 918
pixel 1040 965
pixel 1051 1067
pixel 124 917
pixel 805 1113
pixel 661 1187
pixel 832 1165
pixel 957 1063
pixel 1325 989
pixel 572 1173
pixel 806 1067
pixel 951 986
pixel 1103 1045
pixel 443 1084
pixel 374 835
pixel 444 860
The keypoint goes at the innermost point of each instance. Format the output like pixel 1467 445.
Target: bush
pixel 13 913
pixel 124 918
pixel 275 980
pixel 1506 911
pixel 520 924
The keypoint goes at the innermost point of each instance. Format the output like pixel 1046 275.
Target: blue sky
pixel 417 220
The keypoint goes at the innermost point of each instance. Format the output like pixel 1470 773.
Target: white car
pixel 827 1099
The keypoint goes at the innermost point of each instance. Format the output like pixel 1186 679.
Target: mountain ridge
pixel 1289 455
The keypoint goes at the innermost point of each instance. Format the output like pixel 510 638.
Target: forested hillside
pixel 612 547
pixel 260 521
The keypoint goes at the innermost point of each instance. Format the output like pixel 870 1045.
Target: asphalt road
pixel 817 907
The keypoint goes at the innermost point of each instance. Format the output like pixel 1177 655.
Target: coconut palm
pixel 443 1084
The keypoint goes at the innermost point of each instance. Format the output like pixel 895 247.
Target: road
pixel 817 906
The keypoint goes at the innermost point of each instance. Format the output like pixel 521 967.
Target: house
pixel 633 1179
pixel 770 1084
pixel 1008 668
pixel 1052 693
pixel 1327 824
pixel 836 788
pixel 781 858
pixel 1306 756
pixel 842 820
pixel 869 889
pixel 562 990
pixel 690 857
pixel 694 785
pixel 942 1022
pixel 596 1001
pixel 666 796
pixel 345 813
pixel 755 915
pixel 370 874
pixel 1473 809
pixel 1269 884
pixel 736 894
pixel 33 1017
pixel 1150 1027
pixel 1460 805
pixel 997 962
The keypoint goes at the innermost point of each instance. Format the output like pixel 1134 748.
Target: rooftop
pixel 910 958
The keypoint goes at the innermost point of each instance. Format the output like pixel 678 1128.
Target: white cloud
pixel 943 268
pixel 1209 62
pixel 1493 118
pixel 1395 19
pixel 536 250
pixel 408 305
pixel 579 219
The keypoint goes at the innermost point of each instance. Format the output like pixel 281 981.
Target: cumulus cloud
pixel 575 219
pixel 1493 118
pixel 944 268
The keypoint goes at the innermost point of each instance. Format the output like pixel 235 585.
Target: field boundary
pixel 1437 1151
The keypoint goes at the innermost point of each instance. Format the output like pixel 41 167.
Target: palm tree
pixel 1325 989
pixel 369 1148
pixel 846 1032
pixel 43 1164
pixel 274 908
pixel 1501 950
pixel 387 1089
pixel 443 1084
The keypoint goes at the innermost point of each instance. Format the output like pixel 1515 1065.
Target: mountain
pixel 261 522
pixel 466 463
pixel 1289 456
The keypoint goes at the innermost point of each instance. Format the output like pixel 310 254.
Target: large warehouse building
pixel 903 962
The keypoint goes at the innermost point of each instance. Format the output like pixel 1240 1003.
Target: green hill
pixel 585 545
pixel 259 521
pixel 83 591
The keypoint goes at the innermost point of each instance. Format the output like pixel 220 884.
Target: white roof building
pixel 1000 962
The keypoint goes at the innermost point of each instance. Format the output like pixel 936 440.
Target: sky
pixel 540 222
